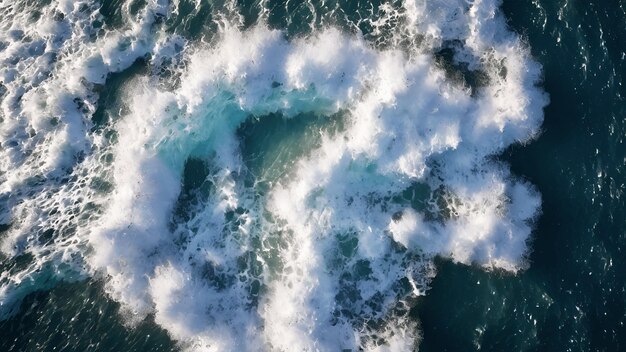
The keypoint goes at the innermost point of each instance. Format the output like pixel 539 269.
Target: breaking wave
pixel 257 185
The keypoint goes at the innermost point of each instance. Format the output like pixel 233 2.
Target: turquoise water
pixel 176 176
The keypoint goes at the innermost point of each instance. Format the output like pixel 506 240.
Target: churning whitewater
pixel 255 187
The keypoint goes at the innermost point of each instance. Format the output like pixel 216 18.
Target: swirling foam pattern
pixel 258 185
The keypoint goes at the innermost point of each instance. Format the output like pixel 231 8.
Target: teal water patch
pixel 110 106
pixel 272 144
pixel 192 20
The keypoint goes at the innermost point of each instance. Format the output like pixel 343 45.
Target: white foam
pixel 46 124
pixel 334 245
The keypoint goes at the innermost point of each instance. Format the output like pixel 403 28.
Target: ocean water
pixel 433 175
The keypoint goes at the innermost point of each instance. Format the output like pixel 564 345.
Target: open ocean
pixel 269 175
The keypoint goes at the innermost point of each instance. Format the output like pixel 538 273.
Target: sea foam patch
pixel 395 167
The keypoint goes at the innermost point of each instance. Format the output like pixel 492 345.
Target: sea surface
pixel 195 175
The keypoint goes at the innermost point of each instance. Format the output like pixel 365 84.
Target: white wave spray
pixel 312 240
